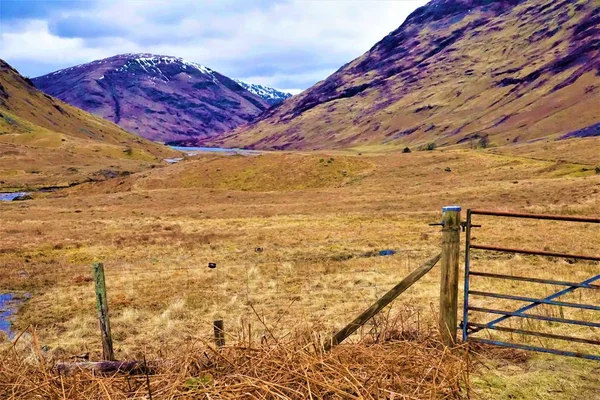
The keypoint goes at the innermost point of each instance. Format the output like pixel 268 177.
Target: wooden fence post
pixel 219 333
pixel 449 274
pixel 102 308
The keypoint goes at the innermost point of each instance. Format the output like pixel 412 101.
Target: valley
pixel 171 232
pixel 311 215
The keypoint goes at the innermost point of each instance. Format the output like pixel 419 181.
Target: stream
pixel 9 304
pixel 220 150
pixel 11 196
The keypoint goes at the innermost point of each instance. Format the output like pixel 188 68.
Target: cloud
pixel 85 27
pixel 36 44
pixel 26 9
pixel 288 44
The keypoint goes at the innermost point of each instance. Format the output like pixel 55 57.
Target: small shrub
pixel 430 146
pixel 406 150
pixel 447 169
pixel 86 131
pixel 8 119
pixel 598 170
pixel 484 142
pixel 128 151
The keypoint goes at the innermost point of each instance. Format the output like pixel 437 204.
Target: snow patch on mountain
pixel 269 94
pixel 149 63
pixel 152 60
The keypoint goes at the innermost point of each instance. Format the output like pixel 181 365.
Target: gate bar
pixel 573 285
pixel 534 300
pixel 533 333
pixel 538 253
pixel 534 316
pixel 537 216
pixel 536 348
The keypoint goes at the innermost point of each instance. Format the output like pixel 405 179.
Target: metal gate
pixel 470 329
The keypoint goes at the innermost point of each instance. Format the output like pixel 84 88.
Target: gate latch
pixel 464 226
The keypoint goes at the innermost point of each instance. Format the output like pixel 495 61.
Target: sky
pixel 286 44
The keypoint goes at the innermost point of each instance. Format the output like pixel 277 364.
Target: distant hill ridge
pixel 158 97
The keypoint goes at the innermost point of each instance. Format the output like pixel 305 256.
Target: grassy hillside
pixel 262 173
pixel 455 71
pixel 45 142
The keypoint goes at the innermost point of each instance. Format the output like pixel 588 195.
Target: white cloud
pixel 285 44
pixel 35 43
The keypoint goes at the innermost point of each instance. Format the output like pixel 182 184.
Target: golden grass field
pixel 313 216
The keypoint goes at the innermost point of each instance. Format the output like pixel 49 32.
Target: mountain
pixel 161 98
pixel 45 142
pixel 453 72
pixel 268 94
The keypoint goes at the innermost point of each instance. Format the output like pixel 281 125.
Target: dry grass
pixel 156 238
pixel 405 364
pixel 582 151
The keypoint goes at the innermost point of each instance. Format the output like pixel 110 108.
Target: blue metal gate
pixel 470 329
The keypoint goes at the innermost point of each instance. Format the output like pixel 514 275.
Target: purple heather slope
pixel 161 98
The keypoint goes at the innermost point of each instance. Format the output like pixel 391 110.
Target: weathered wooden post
pixel 102 308
pixel 219 333
pixel 449 274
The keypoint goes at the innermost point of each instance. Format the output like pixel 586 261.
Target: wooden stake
pixel 381 303
pixel 219 333
pixel 449 274
pixel 102 308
